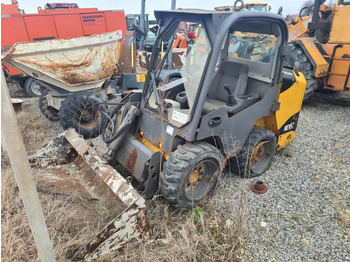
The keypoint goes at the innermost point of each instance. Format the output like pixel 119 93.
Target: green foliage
pixel 200 230
pixel 309 229
pixel 295 218
pixel 219 251
pixel 197 212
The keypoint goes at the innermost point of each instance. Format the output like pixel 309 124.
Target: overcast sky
pixel 134 6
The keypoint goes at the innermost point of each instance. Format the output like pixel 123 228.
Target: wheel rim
pixel 201 180
pixel 261 157
pixel 36 88
pixel 88 117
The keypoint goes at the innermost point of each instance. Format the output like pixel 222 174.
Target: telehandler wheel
pixel 85 112
pixel 48 111
pixel 191 174
pixel 256 155
pixel 306 68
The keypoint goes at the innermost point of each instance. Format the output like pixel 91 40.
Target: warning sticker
pixel 140 78
pixel 179 117
pixel 170 130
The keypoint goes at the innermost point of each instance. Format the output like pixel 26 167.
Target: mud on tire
pixel 85 112
pixel 191 174
pixel 48 111
pixel 256 154
pixel 306 68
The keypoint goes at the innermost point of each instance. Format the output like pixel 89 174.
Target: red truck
pixel 55 21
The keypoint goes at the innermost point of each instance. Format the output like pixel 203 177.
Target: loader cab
pixel 177 99
pixel 231 65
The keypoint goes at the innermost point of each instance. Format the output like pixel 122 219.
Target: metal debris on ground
pixel 259 187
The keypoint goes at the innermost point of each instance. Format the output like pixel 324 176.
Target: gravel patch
pixel 305 214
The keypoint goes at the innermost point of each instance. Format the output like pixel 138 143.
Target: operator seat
pixel 228 88
pixel 230 73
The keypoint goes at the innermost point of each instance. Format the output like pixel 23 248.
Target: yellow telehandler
pixel 320 43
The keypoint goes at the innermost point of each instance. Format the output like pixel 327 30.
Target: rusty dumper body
pixel 71 70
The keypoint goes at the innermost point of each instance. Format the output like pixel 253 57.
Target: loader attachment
pixel 101 182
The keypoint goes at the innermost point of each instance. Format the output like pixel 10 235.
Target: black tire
pixel 261 143
pixel 306 68
pixel 84 112
pixel 172 78
pixel 48 111
pixel 32 87
pixel 198 162
pixel 19 83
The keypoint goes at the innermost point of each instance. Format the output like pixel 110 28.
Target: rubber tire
pixel 29 86
pixel 172 78
pixel 240 164
pixel 48 111
pixel 71 113
pixel 306 67
pixel 180 164
pixel 19 83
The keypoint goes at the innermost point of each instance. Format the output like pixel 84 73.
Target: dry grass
pixel 203 234
pixel 33 130
pixel 71 222
pixel 213 232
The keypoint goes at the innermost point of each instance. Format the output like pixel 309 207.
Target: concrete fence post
pixel 13 144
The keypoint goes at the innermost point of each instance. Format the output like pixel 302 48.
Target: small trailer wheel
pixel 32 87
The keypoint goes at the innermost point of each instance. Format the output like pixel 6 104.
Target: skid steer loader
pixel 234 105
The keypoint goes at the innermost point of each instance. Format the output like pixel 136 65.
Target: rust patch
pixel 81 69
pixel 131 161
pixel 60 181
pixel 143 224
pixel 177 62
pixel 97 188
pixel 6 51
pixel 259 187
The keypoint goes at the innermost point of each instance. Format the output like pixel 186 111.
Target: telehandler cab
pixel 233 105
